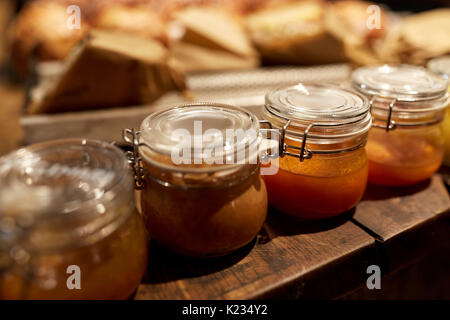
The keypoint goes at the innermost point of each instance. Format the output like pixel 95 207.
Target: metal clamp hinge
pixel 390 124
pixel 131 138
pixel 303 153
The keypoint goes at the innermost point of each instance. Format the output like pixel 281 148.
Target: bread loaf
pixel 135 17
pixel 110 69
pixel 41 31
pixel 294 32
pixel 418 38
pixel 352 23
pixel 210 40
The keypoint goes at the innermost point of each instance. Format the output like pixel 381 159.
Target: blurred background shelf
pixel 244 88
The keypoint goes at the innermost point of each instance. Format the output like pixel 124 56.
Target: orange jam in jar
pixel 406 143
pixel 68 225
pixel 322 170
pixel 202 193
pixel 441 66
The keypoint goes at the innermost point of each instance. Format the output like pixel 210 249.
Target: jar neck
pixel 408 114
pixel 206 168
pixel 324 135
pixel 223 177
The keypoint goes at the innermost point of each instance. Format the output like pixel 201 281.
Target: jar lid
pixel 322 103
pixel 64 189
pixel 440 65
pixel 333 111
pixel 198 135
pixel 402 82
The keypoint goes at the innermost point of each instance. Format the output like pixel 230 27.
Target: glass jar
pixel 202 193
pixel 322 169
pixel 441 66
pixel 68 225
pixel 406 144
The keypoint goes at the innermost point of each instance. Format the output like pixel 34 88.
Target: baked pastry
pixel 196 46
pixel 245 7
pixel 418 38
pixel 356 27
pixel 239 7
pixel 294 32
pixel 6 12
pixel 168 8
pixel 110 69
pixel 41 31
pixel 132 16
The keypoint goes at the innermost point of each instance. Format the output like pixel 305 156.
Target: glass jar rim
pixel 160 132
pixel 72 182
pixel 332 111
pixel 317 102
pixel 440 65
pixel 402 82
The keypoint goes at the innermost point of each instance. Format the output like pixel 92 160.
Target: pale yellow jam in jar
pixel 441 66
pixel 406 143
pixel 68 224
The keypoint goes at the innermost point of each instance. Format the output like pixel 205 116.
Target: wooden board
pixel 289 260
pixel 407 222
pixel 103 125
pixel 445 173
pixel 425 279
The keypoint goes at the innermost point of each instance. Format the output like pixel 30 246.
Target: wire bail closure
pixel 303 154
pixel 131 137
pixel 390 124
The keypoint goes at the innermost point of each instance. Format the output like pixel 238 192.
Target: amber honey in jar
pixel 406 143
pixel 322 169
pixel 202 193
pixel 68 224
pixel 441 66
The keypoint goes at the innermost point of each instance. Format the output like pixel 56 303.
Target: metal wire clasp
pixel 268 154
pixel 131 138
pixel 390 124
pixel 303 154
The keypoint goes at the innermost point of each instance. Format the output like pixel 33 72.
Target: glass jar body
pixel 205 220
pixel 404 156
pixel 111 268
pixel 446 132
pixel 321 187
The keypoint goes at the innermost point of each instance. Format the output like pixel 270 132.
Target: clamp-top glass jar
pixel 322 171
pixel 441 66
pixel 406 145
pixel 68 225
pixel 202 193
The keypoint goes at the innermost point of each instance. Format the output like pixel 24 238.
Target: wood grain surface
pixel 407 222
pixel 289 259
pixel 427 278
pixel 392 228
